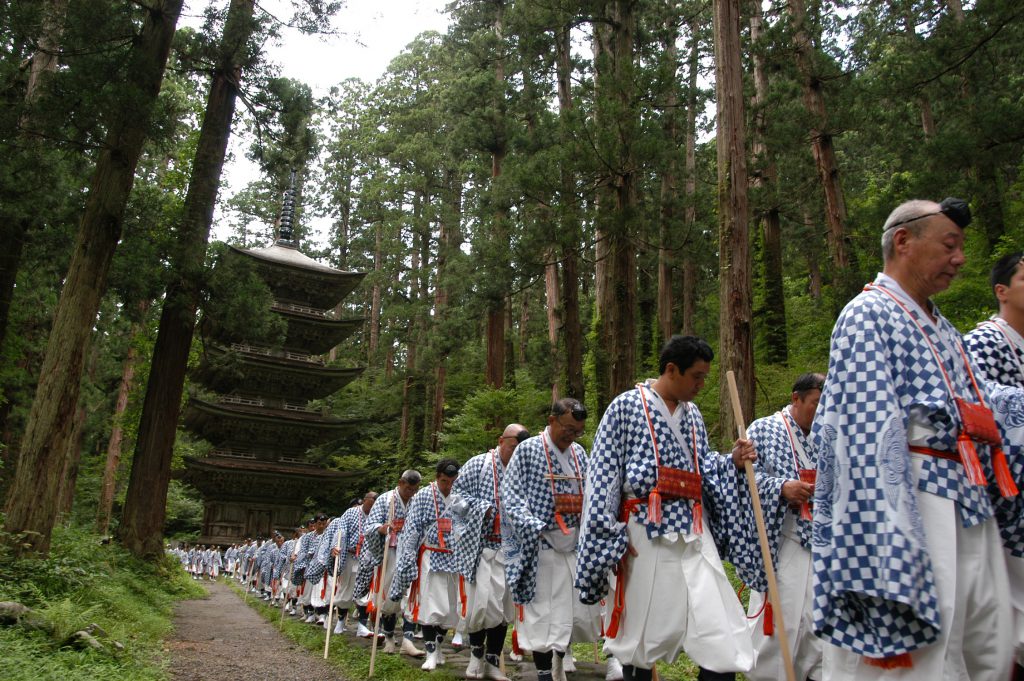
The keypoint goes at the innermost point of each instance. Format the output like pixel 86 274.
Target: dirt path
pixel 220 637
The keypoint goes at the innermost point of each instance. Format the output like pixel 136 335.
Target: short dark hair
pixel 1004 269
pixel 449 467
pixel 683 351
pixel 522 435
pixel 805 383
pixel 569 405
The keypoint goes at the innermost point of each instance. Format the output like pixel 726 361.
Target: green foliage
pixel 238 301
pixel 85 581
pixel 485 414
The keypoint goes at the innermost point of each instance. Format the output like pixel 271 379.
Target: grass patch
pixel 86 582
pixel 352 660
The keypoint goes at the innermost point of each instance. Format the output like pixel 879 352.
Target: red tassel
pixel 969 456
pixel 515 643
pixel 462 595
pixel 654 507
pixel 698 518
pixel 769 619
pixel 1003 478
pixel 805 511
pixel 901 661
pixel 323 587
pixel 440 541
pixel 561 523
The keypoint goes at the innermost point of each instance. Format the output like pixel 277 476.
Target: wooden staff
pixel 248 576
pixel 380 586
pixel 291 574
pixel 762 535
pixel 334 586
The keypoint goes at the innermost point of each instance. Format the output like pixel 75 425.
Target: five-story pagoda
pixel 260 422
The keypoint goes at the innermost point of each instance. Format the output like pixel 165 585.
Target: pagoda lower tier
pixel 247 499
pixel 241 422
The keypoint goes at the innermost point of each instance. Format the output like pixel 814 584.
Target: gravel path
pixel 220 637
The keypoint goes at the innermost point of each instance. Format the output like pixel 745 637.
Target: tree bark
pixel 142 523
pixel 669 189
pixel 375 296
pixel 772 316
pixel 105 507
pixel 496 351
pixel 617 119
pixel 569 228
pixel 14 229
pixel 32 504
pixel 823 149
pixel 690 269
pixel 554 313
pixel 736 349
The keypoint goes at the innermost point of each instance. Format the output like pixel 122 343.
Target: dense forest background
pixel 539 198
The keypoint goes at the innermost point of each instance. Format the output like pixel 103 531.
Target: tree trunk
pixel 375 296
pixel 736 349
pixel 32 505
pixel 823 149
pixel 617 121
pixel 772 316
pixel 554 312
pixel 14 229
pixel 495 376
pixel 569 226
pixel 496 351
pixel 142 523
pixel 690 270
pixel 669 189
pixel 105 508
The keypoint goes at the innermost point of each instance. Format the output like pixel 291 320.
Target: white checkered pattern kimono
pixel 875 583
pixel 372 552
pixel 474 511
pixel 776 464
pixel 530 510
pixel 421 529
pixel 622 465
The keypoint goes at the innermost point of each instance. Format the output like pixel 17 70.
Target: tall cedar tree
pixel 141 528
pixel 33 502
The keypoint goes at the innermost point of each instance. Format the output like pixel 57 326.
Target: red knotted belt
pixel 612 630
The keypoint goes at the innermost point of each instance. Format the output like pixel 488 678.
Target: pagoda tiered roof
pixel 292 376
pixel 294 277
pixel 251 423
pixel 229 479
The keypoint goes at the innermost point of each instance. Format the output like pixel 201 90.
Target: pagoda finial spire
pixel 286 233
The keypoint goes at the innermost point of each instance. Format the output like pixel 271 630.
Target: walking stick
pixel 762 535
pixel 248 576
pixel 291 574
pixel 380 587
pixel 334 587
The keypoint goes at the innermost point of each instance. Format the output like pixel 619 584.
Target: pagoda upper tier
pixel 253 370
pixel 298 281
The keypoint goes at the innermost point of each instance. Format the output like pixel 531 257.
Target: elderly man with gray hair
pixel 907 558
pixel 382 528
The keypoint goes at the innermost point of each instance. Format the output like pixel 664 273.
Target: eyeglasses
pixel 953 208
pixel 573 430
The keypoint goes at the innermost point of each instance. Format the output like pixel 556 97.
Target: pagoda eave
pixel 290 430
pixel 269 374
pixel 240 480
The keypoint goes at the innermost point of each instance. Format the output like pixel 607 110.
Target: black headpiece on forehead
pixel 953 208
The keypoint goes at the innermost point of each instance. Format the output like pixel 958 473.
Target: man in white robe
pixel 910 580
pixel 786 464
pixel 542 491
pixel 997 346
pixel 382 532
pixel 424 565
pixel 489 606
pixel 654 489
pixel 350 525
